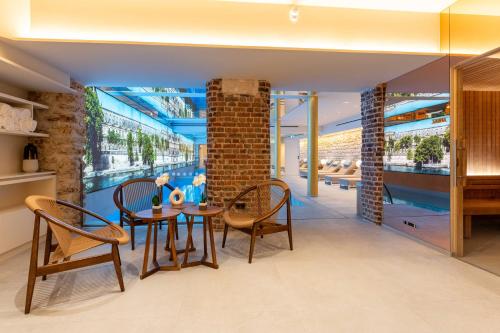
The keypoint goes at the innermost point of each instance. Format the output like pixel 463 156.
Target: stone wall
pixel 345 145
pixel 63 150
pixel 372 153
pixel 238 138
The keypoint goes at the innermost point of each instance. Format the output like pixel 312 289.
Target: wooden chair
pixel 133 196
pixel 70 241
pixel 254 212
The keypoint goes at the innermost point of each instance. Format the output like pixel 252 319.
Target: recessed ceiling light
pixel 347 102
pixel 293 14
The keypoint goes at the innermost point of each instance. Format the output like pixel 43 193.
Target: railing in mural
pixel 100 181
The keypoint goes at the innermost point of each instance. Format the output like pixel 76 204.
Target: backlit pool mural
pixel 417 135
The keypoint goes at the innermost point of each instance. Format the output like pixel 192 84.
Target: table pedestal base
pixel 173 253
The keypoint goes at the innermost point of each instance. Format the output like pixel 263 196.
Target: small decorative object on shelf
pixel 200 182
pixel 30 158
pixel 160 181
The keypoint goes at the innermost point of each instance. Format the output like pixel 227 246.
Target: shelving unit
pixel 26 177
pixel 16 221
pixel 26 134
pixel 16 101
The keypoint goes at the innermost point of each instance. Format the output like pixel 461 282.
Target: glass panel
pixel 417 154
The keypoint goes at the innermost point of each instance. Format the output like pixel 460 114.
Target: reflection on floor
pixel 430 226
pixel 483 248
pixel 344 275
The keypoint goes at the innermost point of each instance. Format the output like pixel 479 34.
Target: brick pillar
pixel 238 138
pixel 372 152
pixel 62 152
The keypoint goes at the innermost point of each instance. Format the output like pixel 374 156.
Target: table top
pixel 195 211
pixel 181 206
pixel 166 213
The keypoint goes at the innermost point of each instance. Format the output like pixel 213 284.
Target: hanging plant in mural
pixel 94 119
pixel 148 152
pixel 130 148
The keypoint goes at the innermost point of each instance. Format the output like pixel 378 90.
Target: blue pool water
pixel 434 201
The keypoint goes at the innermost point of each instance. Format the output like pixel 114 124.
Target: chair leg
pixel 252 243
pixel 176 230
pixel 132 235
pixel 33 266
pixel 289 223
pixel 226 227
pixel 116 260
pixel 48 245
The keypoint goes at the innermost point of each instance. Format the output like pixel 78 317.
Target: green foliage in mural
pixel 429 150
pixel 94 119
pixel 140 139
pixel 417 139
pixel 130 148
pixel 410 155
pixel 114 137
pixel 406 142
pixel 446 139
pixel 148 152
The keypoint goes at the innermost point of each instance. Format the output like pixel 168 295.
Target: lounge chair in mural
pixel 348 170
pixel 347 183
pixel 323 170
pixel 331 167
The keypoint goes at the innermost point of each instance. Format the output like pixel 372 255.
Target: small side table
pixel 169 215
pixel 207 214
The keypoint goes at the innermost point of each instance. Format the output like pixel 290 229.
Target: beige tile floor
pixel 343 276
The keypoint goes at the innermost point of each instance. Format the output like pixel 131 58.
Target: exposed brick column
pixel 372 152
pixel 238 138
pixel 63 150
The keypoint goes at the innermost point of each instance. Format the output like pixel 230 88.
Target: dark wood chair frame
pixel 67 264
pixel 261 226
pixel 128 216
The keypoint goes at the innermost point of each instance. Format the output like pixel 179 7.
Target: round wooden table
pixel 169 215
pixel 176 226
pixel 207 214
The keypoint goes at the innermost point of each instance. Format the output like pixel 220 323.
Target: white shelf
pixel 6 98
pixel 28 134
pixel 25 177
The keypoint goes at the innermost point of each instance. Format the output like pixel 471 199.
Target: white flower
pixel 162 180
pixel 202 179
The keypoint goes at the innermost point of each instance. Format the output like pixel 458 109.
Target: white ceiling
pixel 332 107
pixel 104 64
pixel 333 110
pixel 430 6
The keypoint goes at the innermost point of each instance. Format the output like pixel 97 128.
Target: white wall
pixel 292 152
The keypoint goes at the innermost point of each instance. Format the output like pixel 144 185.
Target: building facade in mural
pixel 122 140
pixel 417 136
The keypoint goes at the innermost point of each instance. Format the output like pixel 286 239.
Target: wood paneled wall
pixel 482 132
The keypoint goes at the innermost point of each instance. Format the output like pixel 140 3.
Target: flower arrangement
pixel 199 181
pixel 160 181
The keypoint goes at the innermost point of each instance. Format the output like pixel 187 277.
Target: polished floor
pixel 344 275
pixel 483 248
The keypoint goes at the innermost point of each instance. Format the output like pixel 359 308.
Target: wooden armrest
pixel 75 230
pixel 83 210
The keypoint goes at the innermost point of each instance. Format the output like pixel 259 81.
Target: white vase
pixel 172 199
pixel 30 165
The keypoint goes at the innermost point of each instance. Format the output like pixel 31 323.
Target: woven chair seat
pixel 238 220
pixel 80 244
